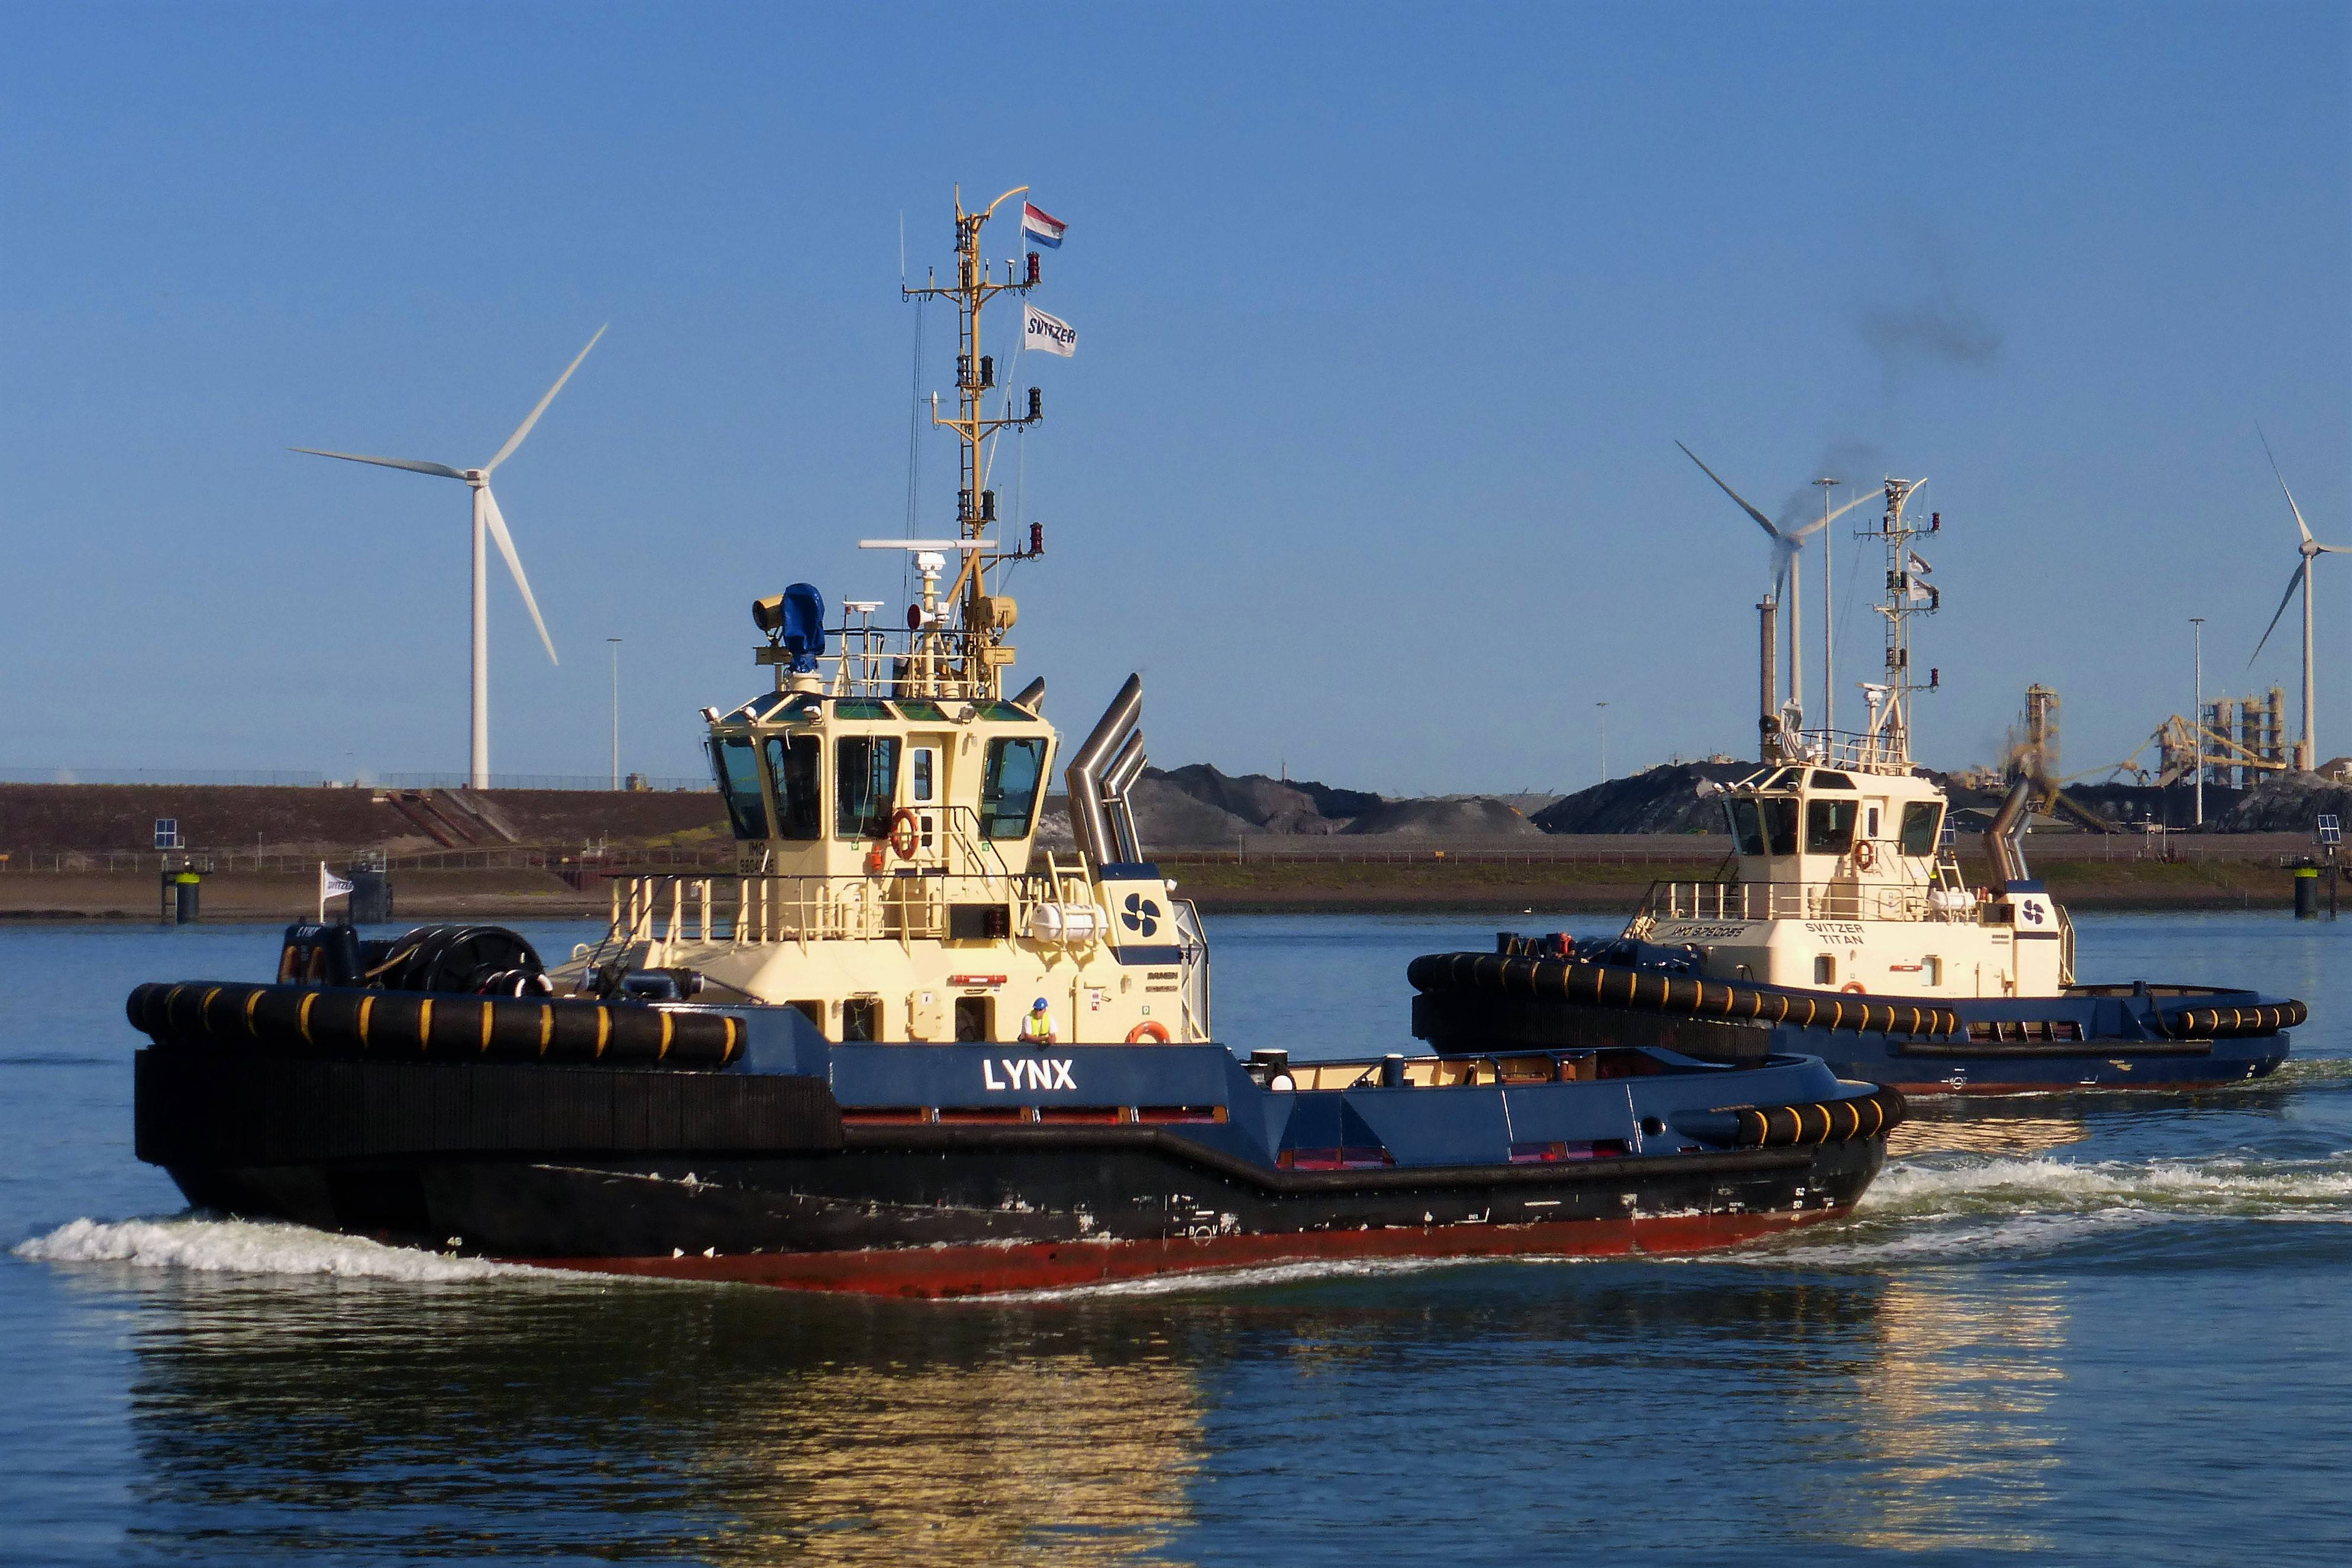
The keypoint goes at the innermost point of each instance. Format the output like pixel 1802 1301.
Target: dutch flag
pixel 1040 229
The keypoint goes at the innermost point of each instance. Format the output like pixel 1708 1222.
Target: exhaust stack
pixel 1090 791
pixel 2005 837
pixel 1768 722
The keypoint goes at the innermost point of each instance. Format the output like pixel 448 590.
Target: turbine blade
pixel 2291 506
pixel 2292 584
pixel 1849 506
pixel 498 523
pixel 2333 549
pixel 532 417
pixel 1762 520
pixel 441 470
pixel 1797 537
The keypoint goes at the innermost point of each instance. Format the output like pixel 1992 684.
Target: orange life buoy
pixel 1864 856
pixel 906 833
pixel 1150 1029
pixel 1854 986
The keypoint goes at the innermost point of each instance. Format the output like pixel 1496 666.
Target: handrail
pixel 798 909
pixel 1756 901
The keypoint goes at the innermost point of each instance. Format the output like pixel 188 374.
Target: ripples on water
pixel 2058 1329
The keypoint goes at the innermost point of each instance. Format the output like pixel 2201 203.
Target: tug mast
pixel 1907 594
pixel 976 650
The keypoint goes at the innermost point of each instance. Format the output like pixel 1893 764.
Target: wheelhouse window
pixel 1008 786
pixel 866 771
pixel 1829 827
pixel 1747 826
pixel 1779 814
pixel 737 771
pixel 1920 821
pixel 792 767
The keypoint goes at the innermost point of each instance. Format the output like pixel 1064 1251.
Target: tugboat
pixel 1844 926
pixel 904 1050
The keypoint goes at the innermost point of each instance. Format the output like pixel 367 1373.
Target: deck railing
pixel 775 909
pixel 1743 901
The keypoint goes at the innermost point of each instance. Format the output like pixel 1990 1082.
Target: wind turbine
pixel 2311 549
pixel 1787 547
pixel 486 518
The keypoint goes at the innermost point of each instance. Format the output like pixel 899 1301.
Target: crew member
pixel 1038 1026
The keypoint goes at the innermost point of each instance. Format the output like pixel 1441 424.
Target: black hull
pixel 2093 1038
pixel 952 1210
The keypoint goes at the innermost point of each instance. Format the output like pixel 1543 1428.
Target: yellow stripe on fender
pixel 367 1009
pixel 309 1001
pixel 604 1028
pixel 252 1000
pixel 663 1050
pixel 546 1026
pixel 424 1027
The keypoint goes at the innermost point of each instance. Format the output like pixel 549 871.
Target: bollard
pixel 184 898
pixel 2306 893
pixel 1392 1071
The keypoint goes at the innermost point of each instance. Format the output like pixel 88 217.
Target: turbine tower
pixel 1787 547
pixel 2311 549
pixel 487 519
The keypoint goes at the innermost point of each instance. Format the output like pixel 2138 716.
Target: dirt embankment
pixel 95 818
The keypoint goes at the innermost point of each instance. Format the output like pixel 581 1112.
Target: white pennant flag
pixel 329 886
pixel 1048 334
pixel 1919 563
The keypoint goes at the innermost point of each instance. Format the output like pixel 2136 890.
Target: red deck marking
pixel 934 1271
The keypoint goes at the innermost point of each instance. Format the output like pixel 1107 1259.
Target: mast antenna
pixel 1908 594
pixel 971 650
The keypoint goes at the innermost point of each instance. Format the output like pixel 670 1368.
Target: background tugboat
pixel 895 1052
pixel 1844 925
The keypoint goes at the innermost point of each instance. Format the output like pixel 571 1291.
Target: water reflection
pixel 2006 1131
pixel 397 1420
pixel 1958 1421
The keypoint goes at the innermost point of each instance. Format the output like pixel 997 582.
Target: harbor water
pixel 2060 1328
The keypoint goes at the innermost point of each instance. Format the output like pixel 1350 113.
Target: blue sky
pixel 1390 318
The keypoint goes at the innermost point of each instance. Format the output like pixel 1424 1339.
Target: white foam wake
pixel 2252 1187
pixel 2037 1206
pixel 246 1247
pixel 1252 1277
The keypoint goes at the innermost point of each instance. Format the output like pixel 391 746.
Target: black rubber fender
pixel 1861 1116
pixel 333 1022
pixel 2235 1023
pixel 1609 986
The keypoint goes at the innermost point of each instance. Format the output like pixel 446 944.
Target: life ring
pixel 906 833
pixel 1150 1029
pixel 1856 986
pixel 1865 855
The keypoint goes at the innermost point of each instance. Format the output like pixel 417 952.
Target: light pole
pixel 1604 740
pixel 1828 618
pixel 615 642
pixel 2197 719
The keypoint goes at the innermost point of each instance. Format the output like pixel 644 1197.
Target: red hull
pixel 935 1272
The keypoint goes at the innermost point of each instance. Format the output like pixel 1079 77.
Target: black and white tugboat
pixel 903 1051
pixel 1843 926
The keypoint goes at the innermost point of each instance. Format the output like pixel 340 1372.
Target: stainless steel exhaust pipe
pixel 1084 774
pixel 2005 837
pixel 1118 778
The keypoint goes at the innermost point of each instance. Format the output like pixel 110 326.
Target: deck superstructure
pixel 885 798
pixel 1844 877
